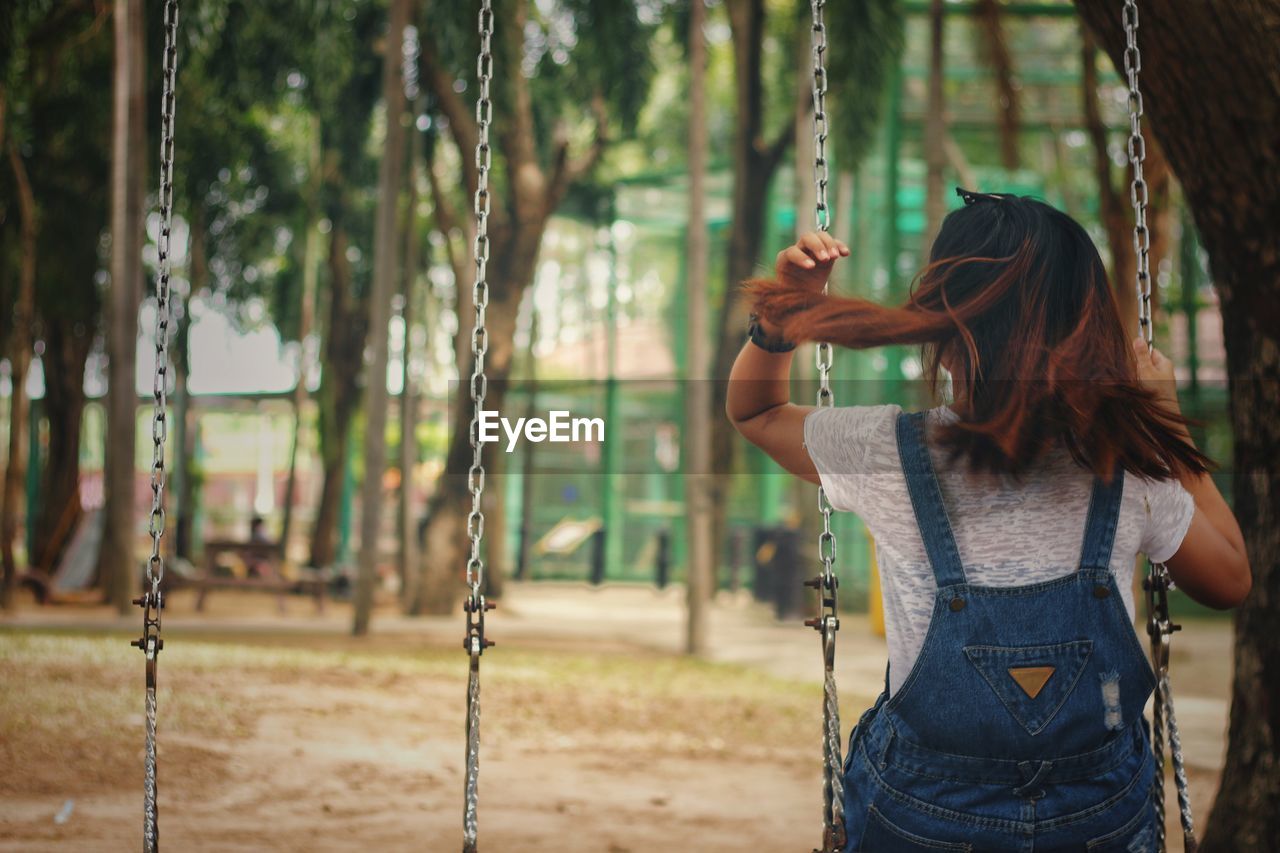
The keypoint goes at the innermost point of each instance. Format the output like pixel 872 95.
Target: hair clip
pixel 970 196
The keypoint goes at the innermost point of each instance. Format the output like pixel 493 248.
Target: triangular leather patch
pixel 1032 682
pixel 1031 678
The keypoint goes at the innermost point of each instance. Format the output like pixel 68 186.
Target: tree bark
pixel 700 585
pixel 66 348
pixel 445 545
pixel 408 454
pixel 11 498
pixel 390 168
pixel 339 395
pixel 116 564
pixel 1211 92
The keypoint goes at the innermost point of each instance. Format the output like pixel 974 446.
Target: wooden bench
pixel 270 554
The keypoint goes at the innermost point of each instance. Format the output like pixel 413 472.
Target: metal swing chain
pixel 475 605
pixel 827 621
pixel 1157 583
pixel 151 600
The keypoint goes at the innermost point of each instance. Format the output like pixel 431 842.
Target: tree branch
pixel 516 136
pixel 996 46
pixel 566 171
pixel 447 222
pixel 462 123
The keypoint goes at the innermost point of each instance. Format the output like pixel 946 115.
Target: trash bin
pixel 778 575
pixel 662 558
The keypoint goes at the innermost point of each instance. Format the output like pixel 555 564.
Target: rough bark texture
pixel 1212 97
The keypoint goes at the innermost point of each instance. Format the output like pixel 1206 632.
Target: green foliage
pixel 234 181
pixel 584 47
pixel 57 77
pixel 569 51
pixel 865 43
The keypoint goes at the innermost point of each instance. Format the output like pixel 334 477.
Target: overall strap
pixel 926 501
pixel 1100 524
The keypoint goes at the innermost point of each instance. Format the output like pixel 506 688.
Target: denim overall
pixel 1020 727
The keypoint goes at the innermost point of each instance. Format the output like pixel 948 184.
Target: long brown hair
pixel 1015 302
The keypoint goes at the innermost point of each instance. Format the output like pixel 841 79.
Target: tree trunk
pixel 339 394
pixel 390 168
pixel 446 550
pixel 186 418
pixel 990 20
pixel 19 360
pixel 754 164
pixel 516 224
pixel 935 132
pixel 66 349
pixel 524 556
pixel 306 321
pixel 407 532
pixel 116 564
pixel 701 571
pixel 1210 93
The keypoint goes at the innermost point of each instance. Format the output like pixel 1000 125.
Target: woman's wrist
pixel 767 336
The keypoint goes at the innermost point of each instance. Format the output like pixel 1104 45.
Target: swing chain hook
pixel 475 606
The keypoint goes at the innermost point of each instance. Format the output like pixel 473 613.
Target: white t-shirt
pixel 1008 533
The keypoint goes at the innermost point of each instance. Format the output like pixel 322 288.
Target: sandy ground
pixel 282 733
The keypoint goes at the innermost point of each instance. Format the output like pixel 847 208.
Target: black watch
pixel 757 336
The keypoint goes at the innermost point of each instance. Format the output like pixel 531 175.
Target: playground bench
pixel 270 554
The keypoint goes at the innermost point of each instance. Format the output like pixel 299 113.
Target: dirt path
pixel 292 737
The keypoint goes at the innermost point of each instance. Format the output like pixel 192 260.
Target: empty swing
pixel 152 600
pixel 475 606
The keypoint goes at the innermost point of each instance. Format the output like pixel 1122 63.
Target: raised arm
pixel 758 402
pixel 1211 565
